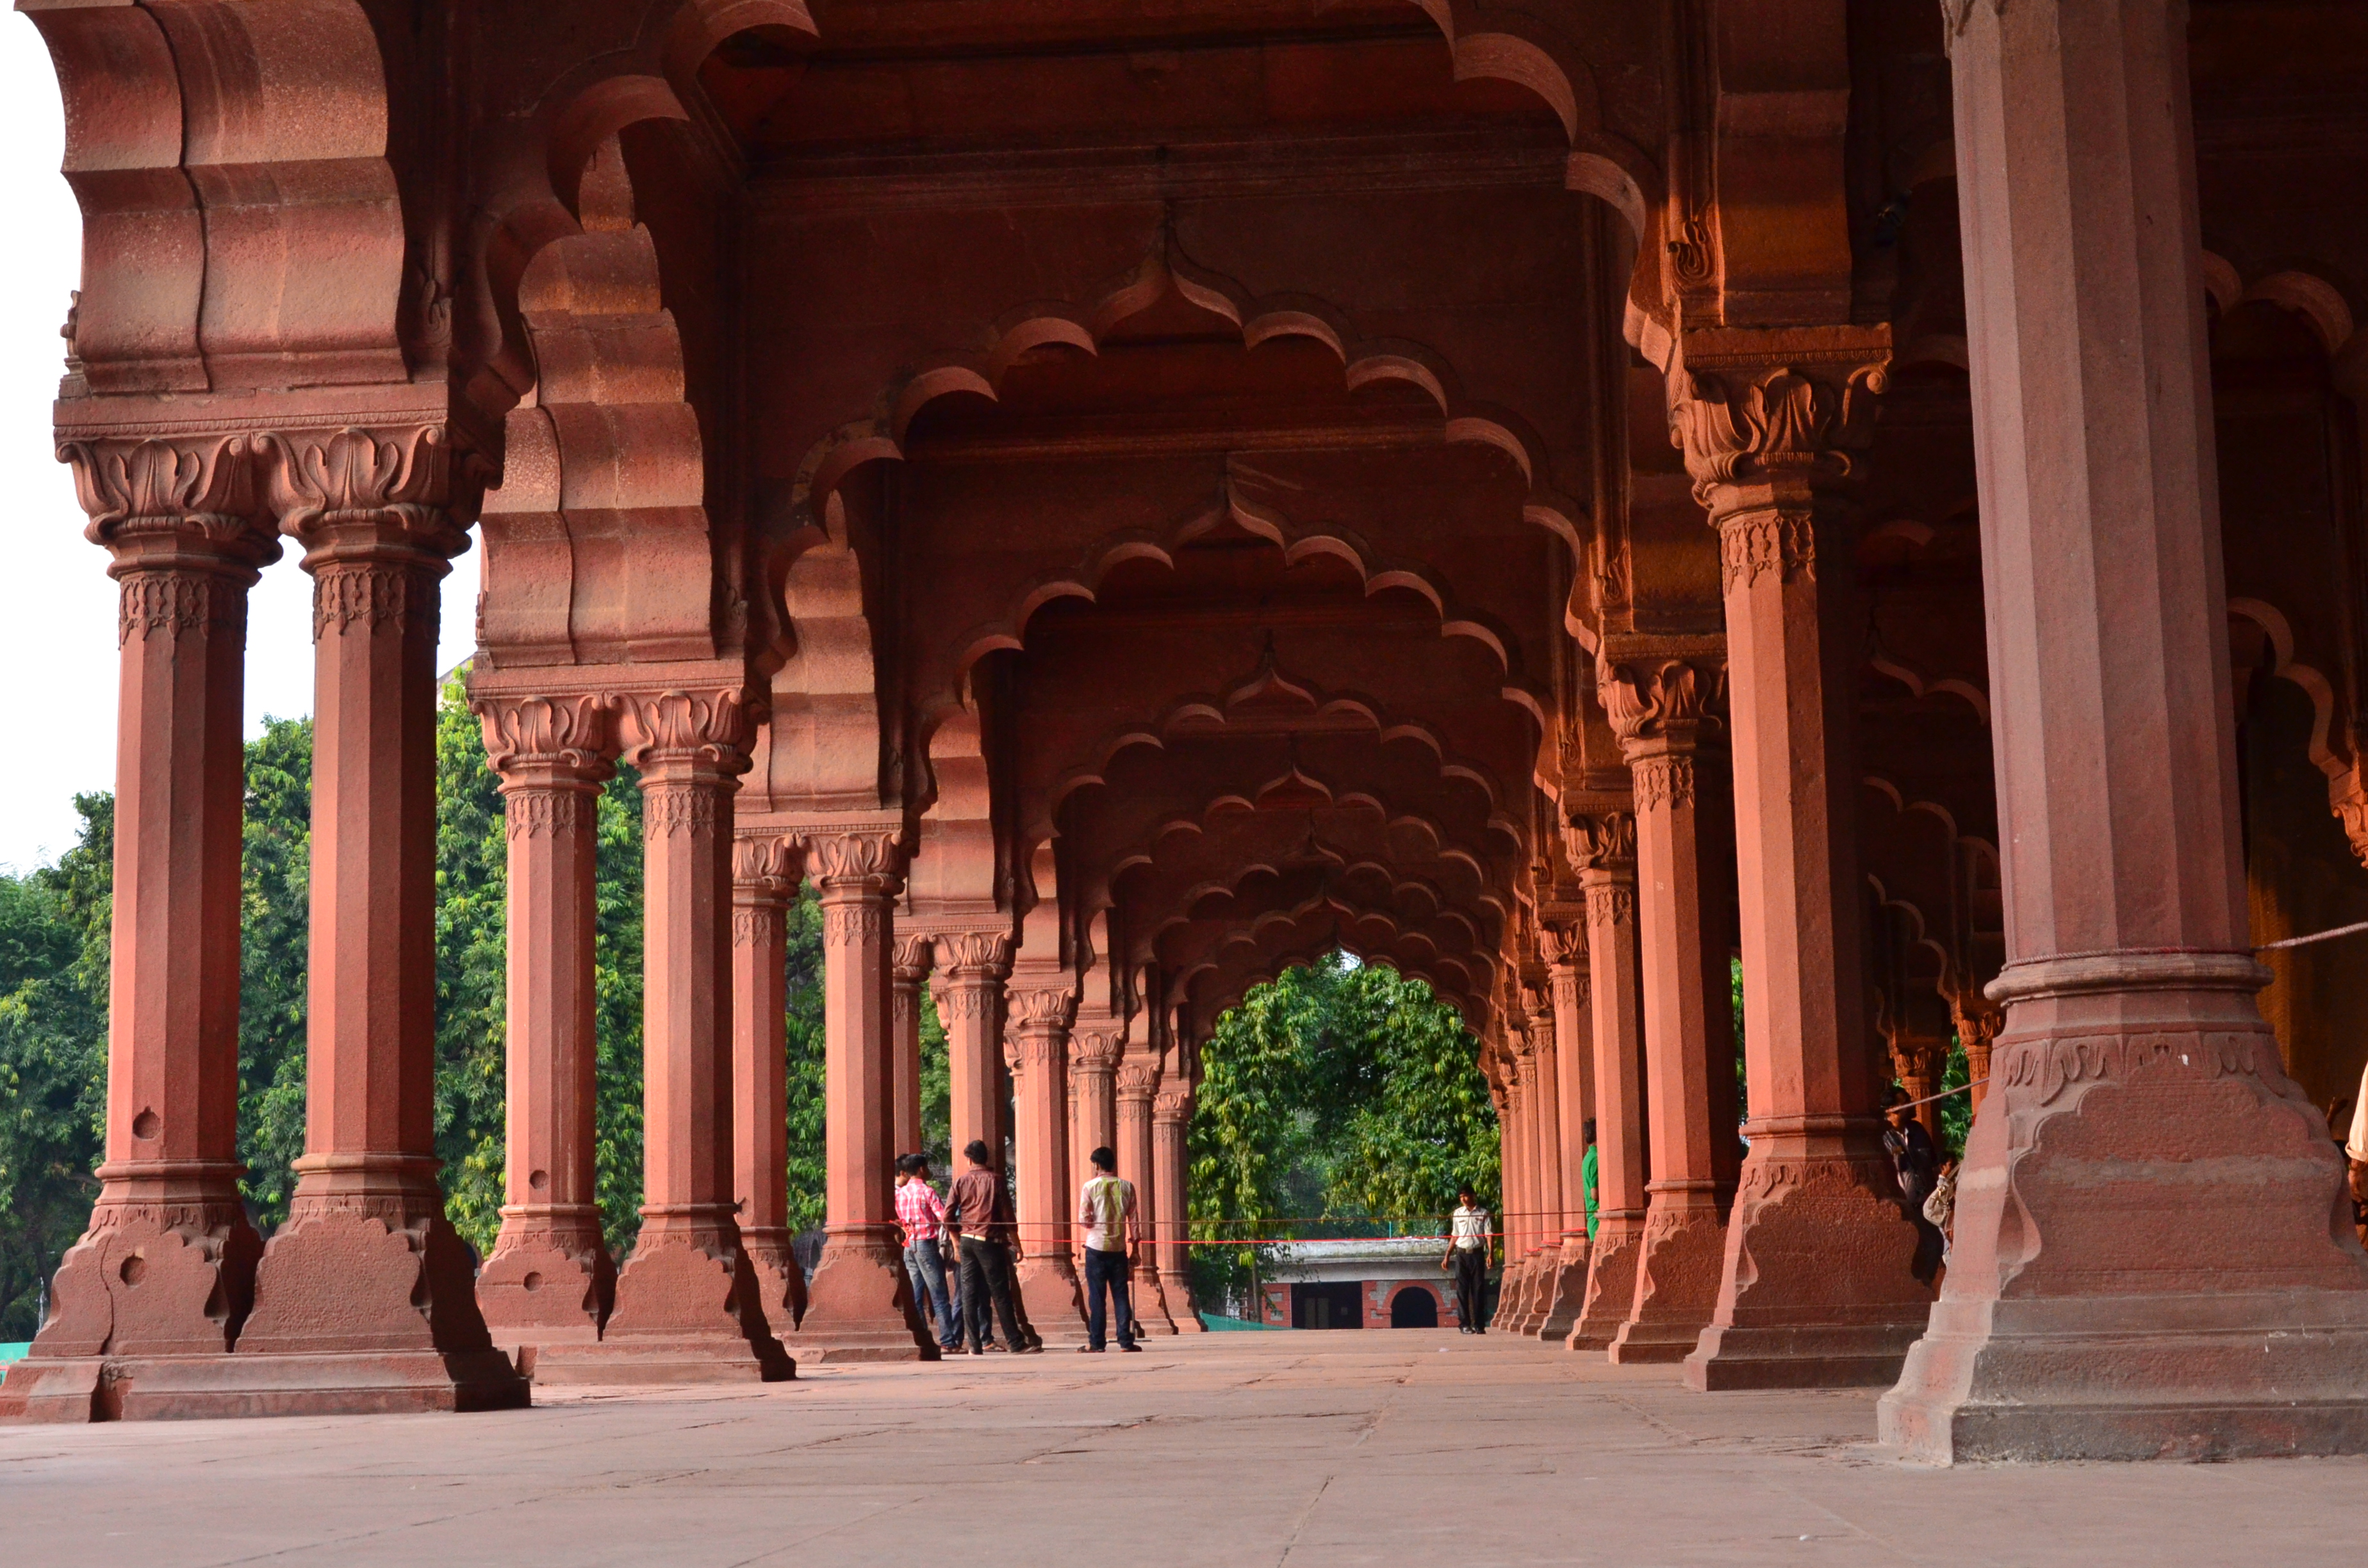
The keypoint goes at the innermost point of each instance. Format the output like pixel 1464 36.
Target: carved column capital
pixel 1137 1081
pixel 1036 1037
pixel 1171 1106
pixel 766 868
pixel 855 863
pixel 1098 1049
pixel 1604 843
pixel 1659 706
pixel 910 963
pixel 196 494
pixel 547 742
pixel 1771 417
pixel 378 494
pixel 705 730
pixel 974 955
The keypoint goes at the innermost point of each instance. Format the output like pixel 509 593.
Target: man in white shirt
pixel 1113 1232
pixel 1468 1258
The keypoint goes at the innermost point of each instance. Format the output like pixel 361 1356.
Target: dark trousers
pixel 1106 1271
pixel 1470 1285
pixel 986 1275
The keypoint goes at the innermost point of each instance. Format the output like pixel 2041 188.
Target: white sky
pixel 57 605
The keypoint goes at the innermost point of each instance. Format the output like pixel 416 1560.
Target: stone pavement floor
pixel 1299 1448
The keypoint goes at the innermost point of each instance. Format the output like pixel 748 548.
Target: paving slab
pixel 1308 1449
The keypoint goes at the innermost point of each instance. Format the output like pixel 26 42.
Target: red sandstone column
pixel 687 1303
pixel 1171 1114
pixel 972 966
pixel 368 1280
pixel 1603 849
pixel 764 875
pixel 1038 1043
pixel 1525 1229
pixel 2151 1255
pixel 859 1306
pixel 1656 707
pixel 1093 1080
pixel 1545 1119
pixel 1566 1289
pixel 1137 1163
pixel 1820 1286
pixel 549 1280
pixel 167 1265
pixel 910 969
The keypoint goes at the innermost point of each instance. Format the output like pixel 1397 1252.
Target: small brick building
pixel 1364 1282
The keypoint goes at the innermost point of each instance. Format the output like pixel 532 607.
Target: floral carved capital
pixel 705 730
pixel 199 492
pixel 910 963
pixel 1136 1080
pixel 767 869
pixel 866 865
pixel 1171 1104
pixel 974 956
pixel 537 734
pixel 395 482
pixel 1098 1049
pixel 1793 423
pixel 1037 1009
pixel 1665 702
pixel 1605 841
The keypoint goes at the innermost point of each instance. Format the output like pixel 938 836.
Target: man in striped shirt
pixel 1113 1233
pixel 923 1219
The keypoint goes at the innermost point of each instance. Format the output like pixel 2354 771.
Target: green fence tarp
pixel 1217 1322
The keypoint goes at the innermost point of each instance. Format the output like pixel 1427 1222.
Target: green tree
pixel 54 955
pixel 1338 1090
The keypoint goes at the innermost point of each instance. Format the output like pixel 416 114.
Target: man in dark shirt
pixel 1916 1160
pixel 978 1213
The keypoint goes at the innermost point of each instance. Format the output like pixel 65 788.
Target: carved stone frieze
pixel 1610 902
pixel 1779 543
pixel 671 809
pixel 853 922
pixel 1666 780
pixel 175 603
pixel 547 812
pixel 371 595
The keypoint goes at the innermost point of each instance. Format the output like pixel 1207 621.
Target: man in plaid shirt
pixel 923 1219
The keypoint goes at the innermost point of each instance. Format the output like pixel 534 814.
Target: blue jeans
pixel 1106 1271
pixel 927 1269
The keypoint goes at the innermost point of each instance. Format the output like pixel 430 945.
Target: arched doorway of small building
pixel 1414 1307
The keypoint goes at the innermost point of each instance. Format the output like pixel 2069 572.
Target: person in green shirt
pixel 1587 1177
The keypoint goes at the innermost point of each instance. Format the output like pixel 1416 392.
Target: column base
pixel 686 1312
pixel 1052 1301
pixel 781 1279
pixel 1677 1276
pixel 1819 1288
pixel 535 1293
pixel 1151 1315
pixel 134 1285
pixel 160 1388
pixel 859 1307
pixel 1565 1289
pixel 368 1280
pixel 2237 1376
pixel 1178 1291
pixel 1611 1282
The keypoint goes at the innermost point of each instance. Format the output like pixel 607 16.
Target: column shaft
pixel 1572 1068
pixel 1820 1283
pixel 550 1278
pixel 911 968
pixel 859 1305
pixel 1138 1163
pixel 367 1280
pixel 1039 1052
pixel 1689 1032
pixel 1171 1114
pixel 971 970
pixel 764 875
pixel 1604 848
pixel 2146 1261
pixel 167 1264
